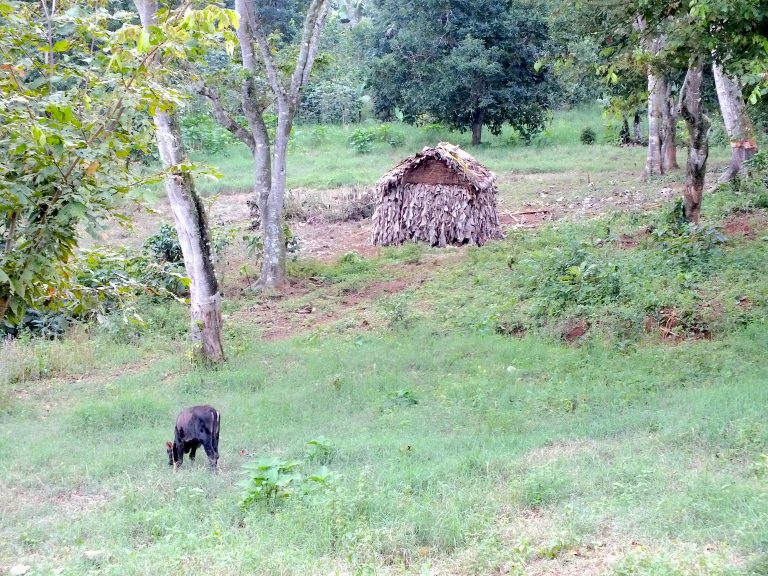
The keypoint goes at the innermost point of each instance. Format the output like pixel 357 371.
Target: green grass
pixel 469 438
pixel 323 158
pixel 459 450
pixel 657 444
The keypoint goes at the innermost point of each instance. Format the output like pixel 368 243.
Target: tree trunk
pixel 668 130
pixel 738 124
pixel 191 226
pixel 273 269
pixel 477 128
pixel 692 111
pixel 262 177
pixel 637 129
pixel 653 162
pixel 662 154
pixel 253 109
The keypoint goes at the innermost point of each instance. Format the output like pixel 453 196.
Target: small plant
pixel 687 245
pixel 319 450
pixel 164 244
pixel 397 312
pixel 292 241
pixel 351 257
pixel 362 140
pixel 254 245
pixel 221 239
pixel 201 133
pixel 575 276
pixel 385 133
pixel 318 135
pixel 269 479
pixel 403 397
pixel 433 130
pixel 588 136
pixel 754 178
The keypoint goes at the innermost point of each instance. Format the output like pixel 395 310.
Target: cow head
pixel 169 449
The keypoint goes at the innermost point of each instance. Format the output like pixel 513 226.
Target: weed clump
pixel 588 136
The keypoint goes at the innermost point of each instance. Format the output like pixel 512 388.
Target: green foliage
pixel 476 65
pixel 72 113
pixel 335 93
pixel 105 282
pixel 164 244
pixel 270 480
pixel 575 276
pixel 588 136
pixel 386 133
pixel 362 140
pixel 397 312
pixel 688 246
pixel 319 450
pixel 754 180
pixel 202 134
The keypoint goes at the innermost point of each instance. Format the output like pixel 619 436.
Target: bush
pixel 588 136
pixel 575 277
pixel 754 180
pixel 362 140
pixel 201 133
pixel 164 244
pixel 270 480
pixel 385 133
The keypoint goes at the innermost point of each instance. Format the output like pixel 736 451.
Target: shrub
pixel 588 136
pixel 270 480
pixel 201 133
pixel 385 133
pixel 755 177
pixel 164 244
pixel 687 246
pixel 575 276
pixel 362 140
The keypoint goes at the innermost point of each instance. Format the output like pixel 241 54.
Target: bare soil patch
pixel 325 306
pixel 746 225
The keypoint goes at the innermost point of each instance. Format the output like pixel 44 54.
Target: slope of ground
pixel 585 397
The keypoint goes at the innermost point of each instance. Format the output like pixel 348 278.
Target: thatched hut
pixel 440 196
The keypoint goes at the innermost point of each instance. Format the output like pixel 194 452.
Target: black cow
pixel 196 426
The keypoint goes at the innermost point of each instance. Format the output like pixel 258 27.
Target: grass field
pixel 462 429
pixel 322 157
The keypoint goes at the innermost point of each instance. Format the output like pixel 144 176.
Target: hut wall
pixel 438 214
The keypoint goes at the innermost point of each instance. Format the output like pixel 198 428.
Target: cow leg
pixel 178 454
pixel 192 454
pixel 213 455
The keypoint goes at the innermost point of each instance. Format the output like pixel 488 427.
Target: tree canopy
pixel 467 64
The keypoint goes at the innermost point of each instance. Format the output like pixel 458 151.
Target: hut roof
pixel 461 163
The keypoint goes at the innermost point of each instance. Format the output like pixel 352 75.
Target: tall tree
pixel 468 64
pixel 249 90
pixel 64 138
pixel 692 111
pixel 738 124
pixel 285 89
pixel 662 112
pixel 189 217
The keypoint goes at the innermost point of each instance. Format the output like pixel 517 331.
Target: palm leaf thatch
pixel 440 196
